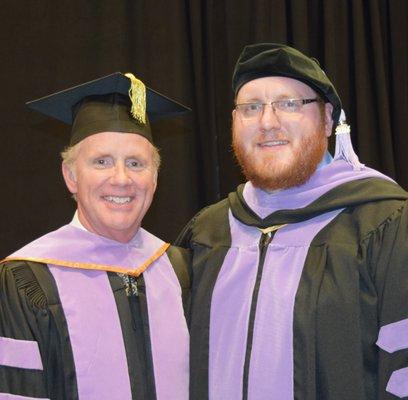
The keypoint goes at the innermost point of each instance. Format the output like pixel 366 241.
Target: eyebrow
pixel 100 155
pixel 287 97
pixel 104 154
pixel 278 98
pixel 250 100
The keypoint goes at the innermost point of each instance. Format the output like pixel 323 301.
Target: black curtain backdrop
pixel 187 50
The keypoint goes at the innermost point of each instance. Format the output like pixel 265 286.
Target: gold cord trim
pixel 98 267
pixel 272 228
pixel 137 94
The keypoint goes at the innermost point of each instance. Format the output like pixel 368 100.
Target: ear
pixel 234 118
pixel 155 178
pixel 155 185
pixel 69 178
pixel 328 119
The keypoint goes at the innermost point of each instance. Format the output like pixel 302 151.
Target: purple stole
pixel 92 317
pixel 271 363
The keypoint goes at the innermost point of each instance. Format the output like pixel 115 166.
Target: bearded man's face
pixel 280 149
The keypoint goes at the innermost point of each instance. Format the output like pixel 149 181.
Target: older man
pixel 300 277
pixel 94 310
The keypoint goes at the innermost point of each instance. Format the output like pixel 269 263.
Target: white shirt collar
pixel 76 222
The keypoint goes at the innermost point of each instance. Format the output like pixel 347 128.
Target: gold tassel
pixel 137 94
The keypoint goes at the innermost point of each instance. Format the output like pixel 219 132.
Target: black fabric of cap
pixel 272 59
pixel 103 105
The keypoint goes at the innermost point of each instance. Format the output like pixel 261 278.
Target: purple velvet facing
pixel 323 180
pixel 7 396
pixel 95 333
pixel 398 383
pixel 271 364
pixel 20 354
pixel 92 317
pixel 168 331
pixel 394 337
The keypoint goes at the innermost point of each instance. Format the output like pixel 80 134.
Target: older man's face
pixel 279 149
pixel 114 180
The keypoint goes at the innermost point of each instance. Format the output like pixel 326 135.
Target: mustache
pixel 268 137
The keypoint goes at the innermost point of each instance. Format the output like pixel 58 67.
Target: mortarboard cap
pixel 272 59
pixel 114 103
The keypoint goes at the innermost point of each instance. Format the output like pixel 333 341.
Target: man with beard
pixel 94 310
pixel 300 276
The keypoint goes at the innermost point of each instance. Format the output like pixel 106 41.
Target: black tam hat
pixel 272 59
pixel 114 103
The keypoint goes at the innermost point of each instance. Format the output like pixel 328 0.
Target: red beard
pixel 268 175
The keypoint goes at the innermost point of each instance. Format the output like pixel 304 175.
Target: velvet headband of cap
pixel 106 113
pixel 272 59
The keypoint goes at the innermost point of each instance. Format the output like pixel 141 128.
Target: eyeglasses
pixel 251 111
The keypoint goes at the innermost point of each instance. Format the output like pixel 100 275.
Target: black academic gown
pixel 351 298
pixel 30 310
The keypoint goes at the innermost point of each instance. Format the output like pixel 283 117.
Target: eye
pixel 289 105
pixel 250 109
pixel 253 107
pixel 102 162
pixel 135 164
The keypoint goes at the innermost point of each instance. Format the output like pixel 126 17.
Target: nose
pixel 120 176
pixel 269 119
